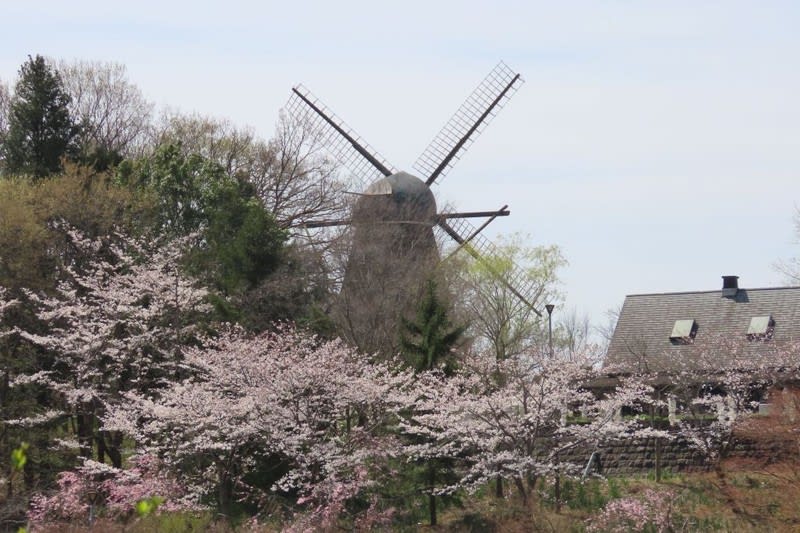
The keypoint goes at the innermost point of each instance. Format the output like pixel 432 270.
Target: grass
pixel 747 497
pixel 161 523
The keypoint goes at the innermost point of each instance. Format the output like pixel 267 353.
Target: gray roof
pixel 642 342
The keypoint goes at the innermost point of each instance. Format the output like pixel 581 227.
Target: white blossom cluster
pixel 316 405
pixel 113 324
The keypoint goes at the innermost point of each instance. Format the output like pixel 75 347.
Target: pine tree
pixel 40 128
pixel 432 339
pixel 432 348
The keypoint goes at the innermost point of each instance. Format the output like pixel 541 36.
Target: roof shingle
pixel 641 340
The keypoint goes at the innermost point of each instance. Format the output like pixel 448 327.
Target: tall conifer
pixel 40 129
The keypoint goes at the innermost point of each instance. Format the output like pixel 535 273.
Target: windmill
pixel 394 217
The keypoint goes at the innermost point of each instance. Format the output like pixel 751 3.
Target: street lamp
pixel 550 308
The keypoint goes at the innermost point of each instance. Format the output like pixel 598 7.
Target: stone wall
pixel 638 457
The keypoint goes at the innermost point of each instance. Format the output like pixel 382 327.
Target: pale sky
pixel 658 143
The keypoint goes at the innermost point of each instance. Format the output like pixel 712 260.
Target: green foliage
pixel 431 347
pixel 173 522
pixel 666 474
pixel 244 242
pixel 298 290
pixel 148 505
pixel 99 158
pixel 89 201
pixel 239 243
pixel 614 489
pixel 19 456
pixel 586 495
pixel 432 336
pixel 184 186
pixel 405 490
pixel 499 320
pixel 40 129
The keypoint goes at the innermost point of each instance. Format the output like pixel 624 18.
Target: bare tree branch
pixel 114 114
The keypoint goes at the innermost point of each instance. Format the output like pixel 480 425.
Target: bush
pixel 651 511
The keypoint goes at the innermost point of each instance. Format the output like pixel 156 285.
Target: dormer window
pixel 760 328
pixel 683 332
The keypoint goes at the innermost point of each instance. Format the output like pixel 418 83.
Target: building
pixel 710 355
pixel 660 333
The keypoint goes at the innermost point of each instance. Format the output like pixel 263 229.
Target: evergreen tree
pixel 431 347
pixel 428 342
pixel 40 128
pixel 239 241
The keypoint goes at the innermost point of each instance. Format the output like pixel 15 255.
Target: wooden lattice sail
pixel 394 248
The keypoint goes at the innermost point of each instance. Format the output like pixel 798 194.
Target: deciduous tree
pixel 289 173
pixel 790 268
pixel 115 117
pixel 218 140
pixel 5 104
pixel 511 418
pixel 313 410
pixel 295 179
pixel 498 319
pixel 723 384
pixel 116 323
pixel 121 493
pixel 31 250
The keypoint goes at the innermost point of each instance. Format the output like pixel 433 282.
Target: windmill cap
pixel 409 194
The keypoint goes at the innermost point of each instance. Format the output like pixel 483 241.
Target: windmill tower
pixel 395 217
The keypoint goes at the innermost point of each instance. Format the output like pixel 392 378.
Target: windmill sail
pixel 394 247
pixel 344 144
pixel 471 241
pixel 467 123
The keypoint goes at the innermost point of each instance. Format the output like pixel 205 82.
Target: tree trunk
pixel 85 434
pixel 557 492
pixel 101 447
pixel 225 495
pixel 498 488
pixel 523 492
pixel 431 495
pixel 114 450
pixel 108 444
pixel 658 460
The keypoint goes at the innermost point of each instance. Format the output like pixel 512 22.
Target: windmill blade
pixel 474 243
pixel 502 212
pixel 324 223
pixel 468 122
pixel 366 165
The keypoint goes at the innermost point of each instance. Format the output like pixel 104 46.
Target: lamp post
pixel 550 308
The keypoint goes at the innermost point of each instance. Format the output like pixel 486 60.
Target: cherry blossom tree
pixel 310 409
pixel 6 302
pixel 719 389
pixel 115 323
pixel 120 493
pixel 722 385
pixel 511 418
pixel 650 511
